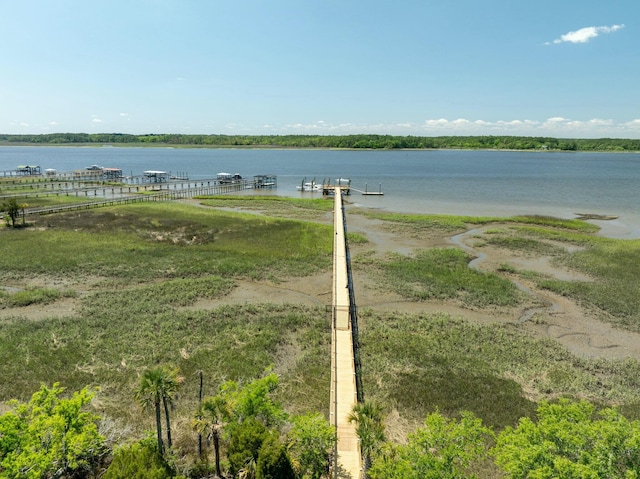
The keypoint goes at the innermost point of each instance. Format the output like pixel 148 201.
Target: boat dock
pixel 109 194
pixel 370 193
pixel 122 198
pixel 328 189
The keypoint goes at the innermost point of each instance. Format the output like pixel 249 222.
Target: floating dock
pixel 370 193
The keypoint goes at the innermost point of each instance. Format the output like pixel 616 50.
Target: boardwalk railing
pixel 88 189
pixel 353 316
pixel 140 198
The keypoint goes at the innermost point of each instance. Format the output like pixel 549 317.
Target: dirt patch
pixel 65 307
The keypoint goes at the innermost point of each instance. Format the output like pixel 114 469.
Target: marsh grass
pixel 616 298
pixel 356 238
pixel 163 268
pixel 277 206
pixel 33 296
pixel 156 240
pixel 451 223
pixel 422 362
pixel 579 237
pixel 118 336
pixel 526 245
pixel 444 274
pixel 153 263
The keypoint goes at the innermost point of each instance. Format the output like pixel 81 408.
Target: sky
pixel 559 68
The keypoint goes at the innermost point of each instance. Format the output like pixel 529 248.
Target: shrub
pixel 273 460
pixel 140 459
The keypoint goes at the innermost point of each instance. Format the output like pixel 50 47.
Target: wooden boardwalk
pixel 161 195
pixel 343 375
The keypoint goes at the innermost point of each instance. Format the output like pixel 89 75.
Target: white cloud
pixel 600 122
pixel 124 114
pixel 585 34
pixel 436 123
pixel 558 127
pixel 96 120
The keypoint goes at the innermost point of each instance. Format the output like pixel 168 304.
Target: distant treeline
pixel 335 141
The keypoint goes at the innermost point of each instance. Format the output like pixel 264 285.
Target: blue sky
pixel 563 68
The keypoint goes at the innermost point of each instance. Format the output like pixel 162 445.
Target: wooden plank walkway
pixel 167 195
pixel 343 377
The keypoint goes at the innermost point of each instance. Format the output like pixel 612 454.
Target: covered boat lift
pixel 154 176
pixel 28 170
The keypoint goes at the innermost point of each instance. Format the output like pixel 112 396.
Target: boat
pixel 309 186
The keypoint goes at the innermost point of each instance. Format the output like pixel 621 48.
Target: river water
pixel 466 182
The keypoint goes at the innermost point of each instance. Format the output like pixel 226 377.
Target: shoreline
pixel 143 145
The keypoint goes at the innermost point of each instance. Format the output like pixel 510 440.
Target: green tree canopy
pixel 571 440
pixel 311 441
pixel 241 416
pixel 254 400
pixel 369 141
pixel 245 444
pixel 50 436
pixel 441 449
pixel 273 460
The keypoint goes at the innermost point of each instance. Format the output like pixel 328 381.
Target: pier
pixel 346 385
pixel 111 195
pixel 328 189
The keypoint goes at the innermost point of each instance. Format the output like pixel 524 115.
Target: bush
pixel 50 436
pixel 273 460
pixel 140 460
pixel 244 447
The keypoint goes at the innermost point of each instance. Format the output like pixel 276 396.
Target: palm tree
pixel 368 417
pixel 158 387
pixel 210 420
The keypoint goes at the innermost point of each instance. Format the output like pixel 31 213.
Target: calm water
pixel 454 182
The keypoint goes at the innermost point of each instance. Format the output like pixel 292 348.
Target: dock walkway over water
pixel 344 382
pixel 119 195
